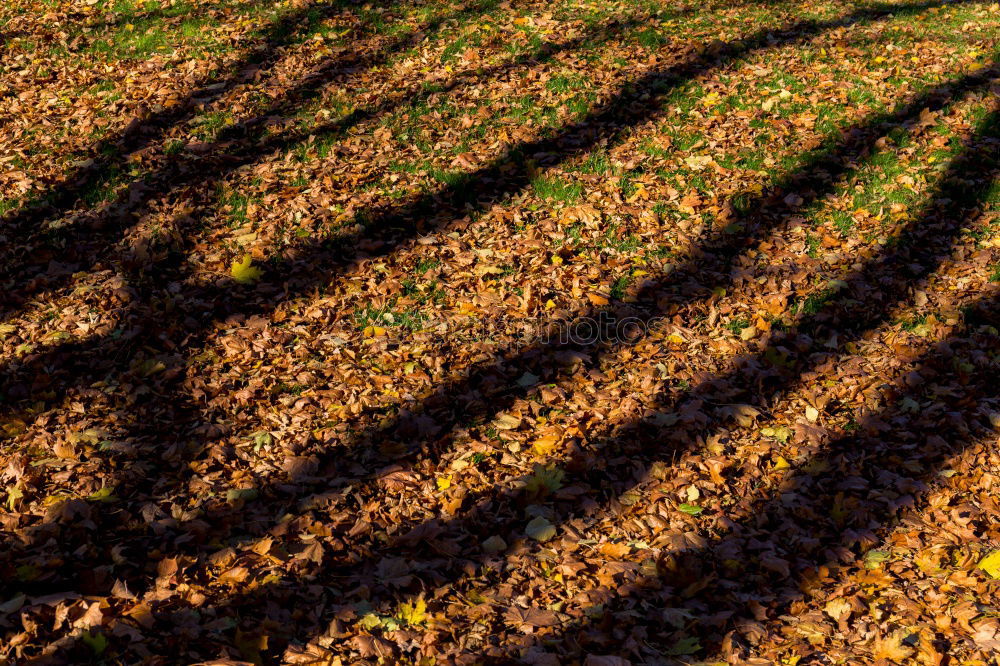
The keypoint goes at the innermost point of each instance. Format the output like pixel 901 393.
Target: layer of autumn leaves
pixel 272 289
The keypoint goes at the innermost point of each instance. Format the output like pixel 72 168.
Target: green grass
pixel 619 287
pixel 207 126
pixel 7 205
pixel 650 38
pixel 557 189
pixel 385 316
pixel 736 325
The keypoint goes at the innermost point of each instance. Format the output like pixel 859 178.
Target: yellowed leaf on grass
pixel 243 272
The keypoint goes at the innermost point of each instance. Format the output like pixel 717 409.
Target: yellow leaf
pixel 540 529
pixel 507 421
pixel 444 482
pixel 415 613
pixel 891 647
pixel 543 446
pixel 556 260
pixel 615 551
pixel 780 463
pixel 991 564
pixel 837 608
pixel 243 272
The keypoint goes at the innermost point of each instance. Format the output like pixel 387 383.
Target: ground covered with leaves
pixel 284 289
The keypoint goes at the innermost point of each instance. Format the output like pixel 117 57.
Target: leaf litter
pixel 274 286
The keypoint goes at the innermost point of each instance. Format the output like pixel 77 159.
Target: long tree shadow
pixel 204 306
pixel 830 511
pixel 401 223
pixel 30 248
pixel 245 143
pixel 611 120
pixel 871 295
pixel 611 471
pixel 792 530
pixel 213 298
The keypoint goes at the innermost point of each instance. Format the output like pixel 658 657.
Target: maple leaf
pixel 546 479
pixel 413 613
pixel 891 647
pixel 528 619
pixel 243 272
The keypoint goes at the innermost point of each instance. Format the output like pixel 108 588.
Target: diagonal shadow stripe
pixel 215 303
pixel 209 300
pixel 796 528
pixel 923 243
pixel 79 241
pixel 248 141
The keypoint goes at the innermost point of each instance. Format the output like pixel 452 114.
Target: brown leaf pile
pixel 456 333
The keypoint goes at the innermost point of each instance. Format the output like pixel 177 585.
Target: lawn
pixel 434 332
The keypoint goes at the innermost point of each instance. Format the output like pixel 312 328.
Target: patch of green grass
pixel 386 316
pixel 207 126
pixel 596 162
pixel 423 294
pixel 813 244
pixel 843 221
pixel 627 186
pixel 619 287
pixel 7 205
pixel 453 178
pixel 173 146
pixel 650 38
pixel 912 324
pixel 234 205
pixel 738 324
pixel 814 303
pixel 103 189
pixel 425 265
pixel 562 83
pixel 132 43
pixel 625 243
pixel 451 51
pixel 557 189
